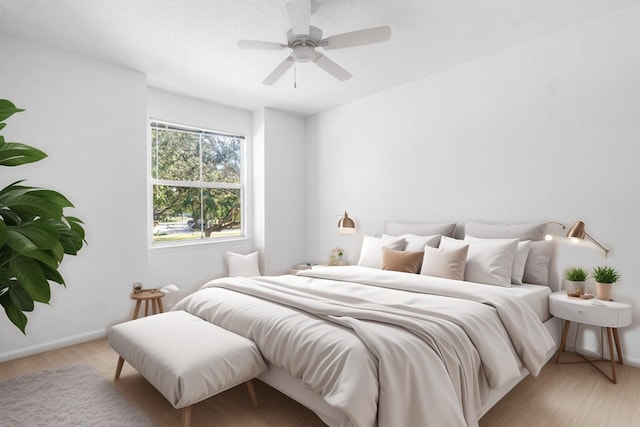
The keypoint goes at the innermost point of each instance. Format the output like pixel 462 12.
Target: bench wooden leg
pixel 186 416
pixel 252 393
pixel 119 367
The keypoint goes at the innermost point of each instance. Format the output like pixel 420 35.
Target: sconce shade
pixel 577 232
pixel 346 225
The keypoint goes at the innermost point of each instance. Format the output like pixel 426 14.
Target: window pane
pixel 221 158
pixel 176 213
pixel 175 155
pixel 222 212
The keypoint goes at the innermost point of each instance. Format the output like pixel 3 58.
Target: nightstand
pixel 609 315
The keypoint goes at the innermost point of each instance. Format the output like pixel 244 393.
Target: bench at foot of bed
pixel 186 358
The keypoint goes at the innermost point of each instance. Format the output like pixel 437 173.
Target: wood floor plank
pixel 563 395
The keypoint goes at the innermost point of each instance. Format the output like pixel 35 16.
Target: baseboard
pixel 53 345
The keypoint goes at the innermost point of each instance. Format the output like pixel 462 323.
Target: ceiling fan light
pixel 304 54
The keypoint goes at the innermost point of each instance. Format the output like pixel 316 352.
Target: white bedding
pixel 381 346
pixel 536 297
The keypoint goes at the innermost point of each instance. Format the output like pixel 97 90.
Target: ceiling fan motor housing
pixel 304 45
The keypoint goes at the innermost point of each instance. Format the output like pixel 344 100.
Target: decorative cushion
pixel 243 265
pixel 397 228
pixel 536 270
pixel 404 261
pixel 503 231
pixel 371 251
pixel 447 263
pixel 487 262
pixel 417 243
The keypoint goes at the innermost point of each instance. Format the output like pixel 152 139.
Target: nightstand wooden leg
pixel 616 338
pixel 160 307
pixel 563 342
pixel 136 310
pixel 611 356
pixel 154 306
pixel 146 308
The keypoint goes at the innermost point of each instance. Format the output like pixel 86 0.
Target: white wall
pixel 280 189
pixel 89 117
pixel 189 267
pixel 547 131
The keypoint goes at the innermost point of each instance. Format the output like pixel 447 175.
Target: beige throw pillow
pixel 446 263
pixel 404 261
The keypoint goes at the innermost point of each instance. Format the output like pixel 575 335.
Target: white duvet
pixel 386 348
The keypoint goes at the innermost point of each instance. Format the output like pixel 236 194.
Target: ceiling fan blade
pixel 357 38
pixel 279 71
pixel 331 67
pixel 299 15
pixel 256 44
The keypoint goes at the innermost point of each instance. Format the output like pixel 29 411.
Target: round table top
pixel 146 295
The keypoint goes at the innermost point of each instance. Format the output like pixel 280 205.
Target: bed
pixel 361 346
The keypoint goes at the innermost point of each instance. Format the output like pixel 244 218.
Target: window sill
pixel 196 243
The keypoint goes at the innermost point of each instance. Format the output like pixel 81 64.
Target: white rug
pixel 75 395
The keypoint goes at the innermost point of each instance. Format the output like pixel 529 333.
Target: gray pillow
pixel 397 228
pixel 536 270
pixel 504 231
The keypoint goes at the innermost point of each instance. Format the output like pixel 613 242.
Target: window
pixel 197 183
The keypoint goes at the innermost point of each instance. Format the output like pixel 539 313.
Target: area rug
pixel 75 395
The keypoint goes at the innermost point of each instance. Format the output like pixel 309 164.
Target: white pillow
pixel 519 261
pixel 447 263
pixel 243 265
pixel 371 251
pixel 487 262
pixel 536 271
pixel 417 243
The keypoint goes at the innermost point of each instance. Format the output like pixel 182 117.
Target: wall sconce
pixel 550 236
pixel 346 225
pixel 576 232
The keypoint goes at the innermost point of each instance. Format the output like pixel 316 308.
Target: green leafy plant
pixel 34 233
pixel 576 274
pixel 605 274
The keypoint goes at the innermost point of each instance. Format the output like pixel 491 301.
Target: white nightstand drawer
pixel 583 313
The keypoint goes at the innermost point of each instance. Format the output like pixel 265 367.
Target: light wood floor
pixel 563 395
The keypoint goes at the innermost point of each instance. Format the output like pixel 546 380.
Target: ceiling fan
pixel 303 39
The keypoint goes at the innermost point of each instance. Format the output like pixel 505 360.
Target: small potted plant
pixel 575 278
pixel 604 276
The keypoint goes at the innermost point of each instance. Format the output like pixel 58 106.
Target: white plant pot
pixel 574 288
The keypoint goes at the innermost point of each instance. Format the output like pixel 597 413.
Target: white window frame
pixel 198 184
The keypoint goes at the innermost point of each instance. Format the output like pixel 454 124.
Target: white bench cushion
pixel 186 358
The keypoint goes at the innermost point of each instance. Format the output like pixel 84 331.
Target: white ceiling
pixel 189 46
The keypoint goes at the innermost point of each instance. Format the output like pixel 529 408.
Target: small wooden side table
pixel 609 315
pixel 150 296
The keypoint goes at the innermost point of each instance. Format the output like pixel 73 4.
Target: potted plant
pixel 604 276
pixel 575 279
pixel 35 234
